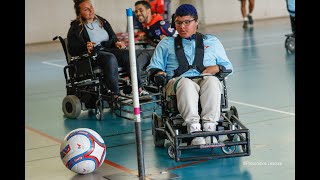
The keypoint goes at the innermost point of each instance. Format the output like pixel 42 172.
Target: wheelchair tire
pixel 171 152
pixel 99 110
pixel 290 44
pixel 157 138
pixel 71 106
pixel 229 114
pixel 228 149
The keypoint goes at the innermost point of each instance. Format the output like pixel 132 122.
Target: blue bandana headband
pixel 185 10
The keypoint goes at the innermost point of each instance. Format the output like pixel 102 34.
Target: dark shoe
pixel 250 20
pixel 245 24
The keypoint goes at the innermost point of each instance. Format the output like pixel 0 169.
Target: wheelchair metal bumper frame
pixel 240 138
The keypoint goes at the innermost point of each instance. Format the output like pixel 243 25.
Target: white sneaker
pixel 208 140
pixel 210 127
pixel 195 127
pixel 222 138
pixel 198 141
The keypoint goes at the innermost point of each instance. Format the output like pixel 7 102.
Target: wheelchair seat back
pixel 79 68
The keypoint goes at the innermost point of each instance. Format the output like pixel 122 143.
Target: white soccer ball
pixel 83 151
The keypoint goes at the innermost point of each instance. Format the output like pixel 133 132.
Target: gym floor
pixel 262 89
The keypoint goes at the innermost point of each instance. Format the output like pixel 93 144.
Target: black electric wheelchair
pixel 290 38
pixel 168 131
pixel 86 90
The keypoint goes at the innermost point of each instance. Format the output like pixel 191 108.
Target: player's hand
pixel 162 73
pixel 90 46
pixel 120 45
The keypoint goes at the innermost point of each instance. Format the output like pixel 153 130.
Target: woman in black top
pixel 90 31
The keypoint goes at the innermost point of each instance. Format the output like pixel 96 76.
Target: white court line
pixel 249 46
pixel 52 64
pixel 55 60
pixel 256 38
pixel 264 108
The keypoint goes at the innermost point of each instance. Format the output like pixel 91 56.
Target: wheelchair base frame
pixel 238 136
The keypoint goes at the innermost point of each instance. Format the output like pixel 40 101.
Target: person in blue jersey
pixel 187 55
pixel 292 12
pixel 155 27
pixel 89 32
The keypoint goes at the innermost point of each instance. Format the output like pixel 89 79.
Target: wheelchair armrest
pixel 84 56
pixel 160 80
pixel 223 72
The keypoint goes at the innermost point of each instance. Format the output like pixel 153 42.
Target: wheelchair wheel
pixel 71 106
pixel 99 110
pixel 157 137
pixel 290 44
pixel 228 149
pixel 172 152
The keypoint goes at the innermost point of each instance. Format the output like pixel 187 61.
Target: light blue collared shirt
pixel 96 33
pixel 291 7
pixel 164 56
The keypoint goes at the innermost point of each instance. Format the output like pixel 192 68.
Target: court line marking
pixel 264 108
pixel 254 37
pixel 52 64
pixel 256 45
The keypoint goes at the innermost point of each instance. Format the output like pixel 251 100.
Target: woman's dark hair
pixel 76 6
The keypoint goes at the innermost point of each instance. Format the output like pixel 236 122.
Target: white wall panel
pixel 45 19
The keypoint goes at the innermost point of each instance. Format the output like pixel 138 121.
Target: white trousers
pixel 188 92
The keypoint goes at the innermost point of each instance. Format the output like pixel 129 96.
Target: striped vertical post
pixel 134 85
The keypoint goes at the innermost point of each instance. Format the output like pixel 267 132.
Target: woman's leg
pixel 109 65
pixel 122 56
